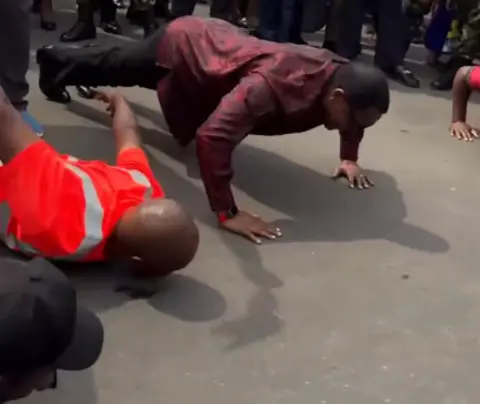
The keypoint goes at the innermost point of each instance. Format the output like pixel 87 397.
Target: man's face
pixel 341 116
pixel 15 387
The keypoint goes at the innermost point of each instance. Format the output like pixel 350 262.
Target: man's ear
pixel 338 91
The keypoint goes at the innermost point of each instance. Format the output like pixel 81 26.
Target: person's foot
pixel 79 32
pixel 48 74
pixel 403 75
pixel 32 122
pixel 444 82
pixel 111 27
pixel 47 18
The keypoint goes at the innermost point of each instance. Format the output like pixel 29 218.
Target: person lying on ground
pixel 43 329
pixel 62 208
pixel 466 79
pixel 217 85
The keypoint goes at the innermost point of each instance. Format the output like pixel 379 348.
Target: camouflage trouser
pixel 469 19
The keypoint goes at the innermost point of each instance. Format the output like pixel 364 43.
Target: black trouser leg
pixel 181 8
pixel 222 9
pixel 392 34
pixel 349 27
pixel 132 64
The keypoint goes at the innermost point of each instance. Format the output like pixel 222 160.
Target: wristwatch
pixel 225 215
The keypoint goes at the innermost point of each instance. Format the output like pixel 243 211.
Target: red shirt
pixel 64 208
pixel 473 77
pixel 223 84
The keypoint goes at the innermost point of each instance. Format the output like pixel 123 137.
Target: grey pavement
pixel 370 297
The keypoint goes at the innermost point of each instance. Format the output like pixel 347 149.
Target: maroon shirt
pixel 223 85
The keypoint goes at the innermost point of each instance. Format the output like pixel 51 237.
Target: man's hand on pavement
pixel 251 226
pixel 463 131
pixel 354 175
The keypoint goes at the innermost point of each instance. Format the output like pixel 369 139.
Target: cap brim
pixel 86 345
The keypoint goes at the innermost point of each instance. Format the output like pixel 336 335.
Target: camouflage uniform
pixel 468 14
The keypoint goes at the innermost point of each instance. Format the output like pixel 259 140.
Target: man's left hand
pixel 354 175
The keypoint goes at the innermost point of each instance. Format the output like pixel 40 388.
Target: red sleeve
pixel 234 118
pixel 473 77
pixel 40 192
pixel 134 158
pixel 350 143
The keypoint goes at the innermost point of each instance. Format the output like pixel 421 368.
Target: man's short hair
pixel 364 86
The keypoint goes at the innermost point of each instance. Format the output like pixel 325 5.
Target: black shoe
pixel 111 27
pixel 403 76
pixel 48 25
pixel 445 80
pixel 49 71
pixel 79 32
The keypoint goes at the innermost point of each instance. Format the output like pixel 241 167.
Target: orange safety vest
pixel 93 220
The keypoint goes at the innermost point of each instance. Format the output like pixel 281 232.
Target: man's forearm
pixel 350 144
pixel 215 167
pixel 125 127
pixel 460 95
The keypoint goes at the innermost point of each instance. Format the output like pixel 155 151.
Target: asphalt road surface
pixel 370 297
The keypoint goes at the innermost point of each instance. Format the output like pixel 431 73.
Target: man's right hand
pixel 251 226
pixel 463 131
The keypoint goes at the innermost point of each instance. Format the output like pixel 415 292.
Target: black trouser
pixel 223 9
pixel 132 64
pixel 280 20
pixel 392 30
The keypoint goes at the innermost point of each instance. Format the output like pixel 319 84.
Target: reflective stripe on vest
pixel 93 219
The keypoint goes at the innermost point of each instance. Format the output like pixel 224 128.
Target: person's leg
pixel 108 17
pixel 181 8
pixel 393 41
pixel 465 51
pixel 350 15
pixel 223 9
pixel 15 54
pixel 291 22
pixel 128 65
pixel 269 19
pixel 84 27
pixel 142 13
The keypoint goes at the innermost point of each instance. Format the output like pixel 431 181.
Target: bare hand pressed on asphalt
pixel 353 173
pixel 251 226
pixel 463 131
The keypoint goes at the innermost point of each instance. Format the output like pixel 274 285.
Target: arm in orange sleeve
pixel 134 158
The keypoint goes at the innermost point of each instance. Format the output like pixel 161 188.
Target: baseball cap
pixel 41 324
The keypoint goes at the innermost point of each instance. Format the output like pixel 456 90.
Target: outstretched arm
pixel 15 134
pixel 235 117
pixel 466 79
pixel 124 123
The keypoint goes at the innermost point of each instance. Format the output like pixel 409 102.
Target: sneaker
pixel 32 122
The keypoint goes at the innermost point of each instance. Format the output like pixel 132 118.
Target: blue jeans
pixel 281 20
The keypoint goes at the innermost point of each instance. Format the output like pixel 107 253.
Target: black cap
pixel 40 322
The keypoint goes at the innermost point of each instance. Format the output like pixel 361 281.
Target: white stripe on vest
pixel 93 219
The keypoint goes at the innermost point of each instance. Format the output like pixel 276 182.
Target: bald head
pixel 161 234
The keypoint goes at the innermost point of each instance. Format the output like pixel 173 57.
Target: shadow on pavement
pixel 318 208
